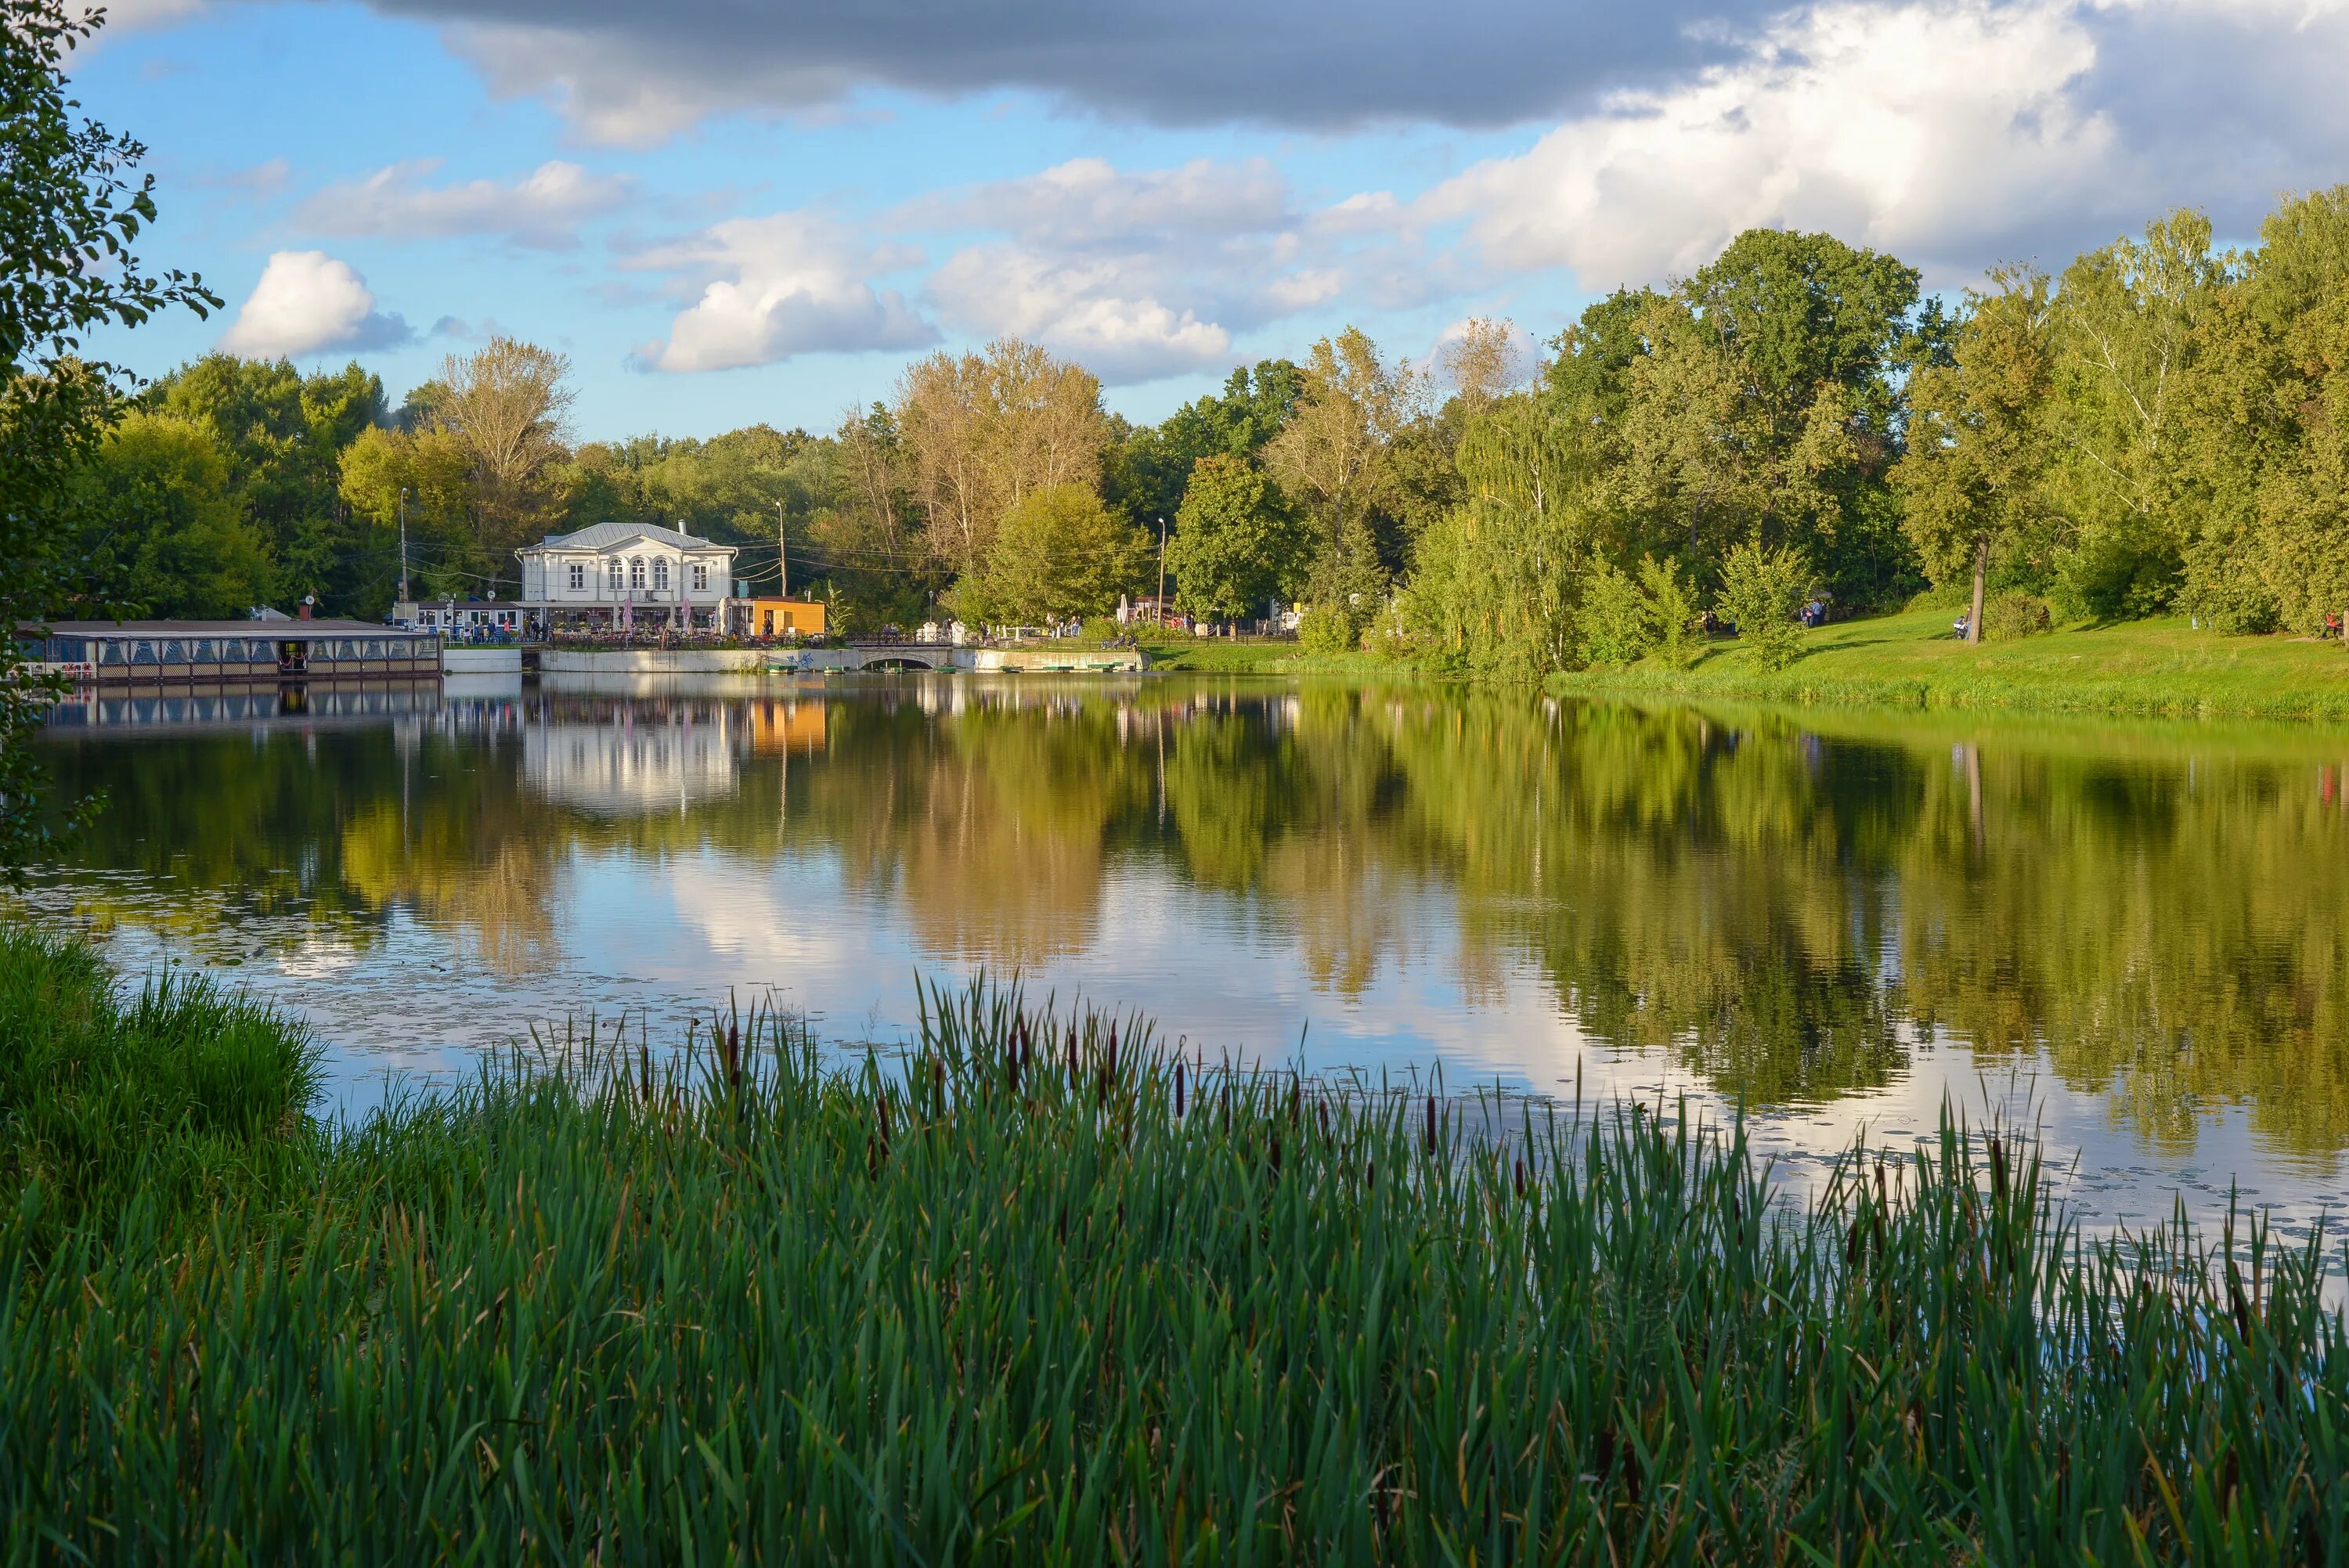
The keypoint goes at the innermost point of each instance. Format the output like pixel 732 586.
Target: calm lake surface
pixel 2136 936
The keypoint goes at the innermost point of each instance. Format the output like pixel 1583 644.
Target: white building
pixel 616 575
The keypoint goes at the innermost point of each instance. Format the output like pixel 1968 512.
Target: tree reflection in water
pixel 1784 902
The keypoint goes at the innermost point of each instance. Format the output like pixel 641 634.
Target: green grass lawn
pixel 2160 666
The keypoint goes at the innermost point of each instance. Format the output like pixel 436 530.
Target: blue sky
pixel 727 213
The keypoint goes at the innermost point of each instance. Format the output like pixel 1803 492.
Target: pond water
pixel 2136 936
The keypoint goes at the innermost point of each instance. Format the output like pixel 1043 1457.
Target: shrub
pixel 2013 615
pixel 1762 593
pixel 1670 601
pixel 1325 629
pixel 1614 624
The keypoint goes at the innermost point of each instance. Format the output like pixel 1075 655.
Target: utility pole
pixel 403 543
pixel 1159 610
pixel 782 551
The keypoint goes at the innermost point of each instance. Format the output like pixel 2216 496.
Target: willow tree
pixel 1497 583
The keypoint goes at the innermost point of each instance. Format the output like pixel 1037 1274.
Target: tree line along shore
pixel 1043 1288
pixel 1797 433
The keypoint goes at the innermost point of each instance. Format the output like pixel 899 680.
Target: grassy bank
pixel 2161 666
pixel 1037 1294
pixel 1223 657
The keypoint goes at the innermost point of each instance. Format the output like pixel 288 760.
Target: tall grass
pixel 178 1096
pixel 1041 1292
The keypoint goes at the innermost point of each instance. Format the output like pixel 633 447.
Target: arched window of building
pixel 660 574
pixel 613 575
pixel 636 572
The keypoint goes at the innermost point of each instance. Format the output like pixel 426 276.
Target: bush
pixel 1614 624
pixel 1325 629
pixel 2013 615
pixel 1762 593
pixel 1625 620
pixel 1670 600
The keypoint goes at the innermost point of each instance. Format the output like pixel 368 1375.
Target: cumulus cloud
pixel 1951 132
pixel 307 302
pixel 632 72
pixel 543 209
pixel 1137 273
pixel 1088 311
pixel 768 289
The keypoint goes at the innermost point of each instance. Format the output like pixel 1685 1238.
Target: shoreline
pixel 2160 669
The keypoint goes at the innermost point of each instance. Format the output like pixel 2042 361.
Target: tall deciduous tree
pixel 1974 474
pixel 1336 458
pixel 72 205
pixel 985 430
pixel 1482 361
pixel 1239 542
pixel 2127 322
pixel 166 532
pixel 510 403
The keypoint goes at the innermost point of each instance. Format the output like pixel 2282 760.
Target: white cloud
pixel 774 287
pixel 1095 312
pixel 1949 133
pixel 1134 273
pixel 1921 126
pixel 543 209
pixel 307 302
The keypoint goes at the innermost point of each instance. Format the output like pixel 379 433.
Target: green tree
pixel 1762 400
pixel 1762 589
pixel 1057 553
pixel 2127 325
pixel 1151 468
pixel 1500 576
pixel 1974 475
pixel 434 470
pixel 165 531
pixel 282 435
pixel 1238 541
pixel 72 205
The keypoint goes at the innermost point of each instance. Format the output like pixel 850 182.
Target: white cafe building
pixel 615 576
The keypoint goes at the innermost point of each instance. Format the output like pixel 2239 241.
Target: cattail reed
pixel 288 1330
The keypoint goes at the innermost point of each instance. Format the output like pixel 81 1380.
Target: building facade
pixel 230 653
pixel 624 576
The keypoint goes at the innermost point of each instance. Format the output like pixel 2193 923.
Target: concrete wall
pixel 655 662
pixel 480 661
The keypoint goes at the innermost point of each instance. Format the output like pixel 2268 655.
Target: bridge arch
pixel 898 662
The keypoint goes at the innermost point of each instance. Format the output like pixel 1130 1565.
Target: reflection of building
pixel 616 574
pixel 791 726
pixel 639 763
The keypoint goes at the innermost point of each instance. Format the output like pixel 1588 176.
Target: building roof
pixel 605 535
pixel 276 631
